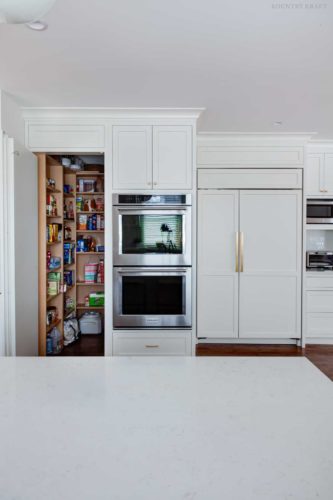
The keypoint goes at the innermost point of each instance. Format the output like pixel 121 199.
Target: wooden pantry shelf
pixel 66 266
pixel 51 297
pixel 90 231
pixel 69 195
pixel 51 191
pixel 96 193
pixel 85 173
pixel 91 213
pixel 52 325
pixel 89 253
pixel 51 243
pixel 54 270
pixel 83 283
pixel 82 307
pixel 53 216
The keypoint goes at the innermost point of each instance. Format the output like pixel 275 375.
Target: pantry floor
pixel 87 345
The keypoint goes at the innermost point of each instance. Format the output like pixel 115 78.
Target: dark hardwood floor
pixel 320 355
pixel 86 345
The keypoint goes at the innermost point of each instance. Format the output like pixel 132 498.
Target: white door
pixel 314 175
pixel 328 174
pixel 132 157
pixel 2 251
pixel 25 209
pixel 172 157
pixel 217 270
pixel 270 264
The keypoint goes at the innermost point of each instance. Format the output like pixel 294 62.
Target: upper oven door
pixel 319 212
pixel 148 237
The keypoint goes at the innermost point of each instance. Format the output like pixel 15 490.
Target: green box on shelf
pixel 96 299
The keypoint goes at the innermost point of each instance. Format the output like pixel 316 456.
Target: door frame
pixel 7 231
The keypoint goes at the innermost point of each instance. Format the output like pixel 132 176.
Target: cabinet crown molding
pixel 320 147
pixel 251 139
pixel 102 113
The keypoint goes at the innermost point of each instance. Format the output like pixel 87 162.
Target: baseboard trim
pixel 319 341
pixel 249 341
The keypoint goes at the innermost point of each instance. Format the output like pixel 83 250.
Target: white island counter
pixel 165 429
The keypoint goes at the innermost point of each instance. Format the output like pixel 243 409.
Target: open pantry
pixel 71 254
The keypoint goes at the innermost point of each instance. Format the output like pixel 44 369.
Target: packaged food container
pixel 91 323
pixel 96 299
pixel 90 272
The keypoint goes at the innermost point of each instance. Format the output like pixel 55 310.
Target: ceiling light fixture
pixel 278 124
pixel 37 26
pixel 23 12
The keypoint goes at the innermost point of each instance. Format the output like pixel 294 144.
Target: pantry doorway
pixel 71 242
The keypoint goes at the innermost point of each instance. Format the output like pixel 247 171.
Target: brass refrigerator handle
pixel 237 251
pixel 241 252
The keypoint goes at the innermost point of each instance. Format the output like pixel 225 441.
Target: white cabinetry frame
pixel 145 150
pixel 319 175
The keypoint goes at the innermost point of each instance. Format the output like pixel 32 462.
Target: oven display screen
pixel 155 295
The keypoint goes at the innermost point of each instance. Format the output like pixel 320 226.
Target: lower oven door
pixel 152 297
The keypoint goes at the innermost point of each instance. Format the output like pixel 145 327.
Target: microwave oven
pixel 319 211
pixel 319 260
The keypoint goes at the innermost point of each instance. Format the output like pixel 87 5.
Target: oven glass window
pixel 157 295
pixel 151 234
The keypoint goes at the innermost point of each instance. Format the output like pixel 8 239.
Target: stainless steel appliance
pixel 319 260
pixel 319 211
pixel 152 230
pixel 152 297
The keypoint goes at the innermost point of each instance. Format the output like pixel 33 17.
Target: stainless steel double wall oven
pixel 152 259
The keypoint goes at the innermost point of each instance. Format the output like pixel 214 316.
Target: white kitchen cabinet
pixel 132 157
pixel 217 259
pixel 270 271
pixel 319 307
pixel 152 343
pixel 152 157
pixel 319 174
pixel 63 137
pixel 172 157
pixel 257 294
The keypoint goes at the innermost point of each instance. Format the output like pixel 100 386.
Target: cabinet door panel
pixel 314 175
pixel 132 157
pixel 217 276
pixel 172 148
pixel 270 282
pixel 328 174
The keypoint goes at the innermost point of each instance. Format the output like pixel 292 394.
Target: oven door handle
pixel 162 270
pixel 152 209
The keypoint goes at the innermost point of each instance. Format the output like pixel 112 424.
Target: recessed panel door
pixel 217 264
pixel 270 264
pixel 132 157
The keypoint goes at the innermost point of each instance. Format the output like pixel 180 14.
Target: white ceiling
pixel 248 63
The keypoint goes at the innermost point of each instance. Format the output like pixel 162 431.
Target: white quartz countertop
pixel 165 429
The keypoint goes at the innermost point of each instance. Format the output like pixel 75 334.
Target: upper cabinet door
pixel 132 157
pixel 173 162
pixel 328 174
pixel 314 175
